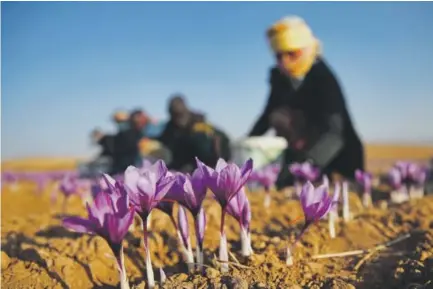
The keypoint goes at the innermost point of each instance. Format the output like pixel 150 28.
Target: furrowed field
pixel 37 251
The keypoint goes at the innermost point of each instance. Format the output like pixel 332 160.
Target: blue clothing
pixel 153 130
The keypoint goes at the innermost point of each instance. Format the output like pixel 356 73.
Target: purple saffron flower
pixel 184 237
pixel 411 173
pixel 69 186
pixel 304 172
pixel 266 177
pixel 190 191
pixel 316 202
pixel 146 188
pixel 225 182
pixel 365 180
pixel 395 178
pixel 108 220
pixel 183 226
pixel 193 191
pixel 239 208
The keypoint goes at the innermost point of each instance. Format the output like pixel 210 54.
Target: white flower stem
pixel 123 277
pixel 245 242
pixel 267 201
pixel 223 251
pixel 289 257
pixel 366 199
pixel 187 254
pixel 346 208
pixel 298 188
pixel 149 221
pixel 249 242
pixel 416 191
pixel 149 269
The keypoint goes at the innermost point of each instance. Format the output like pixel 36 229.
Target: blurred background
pixel 66 66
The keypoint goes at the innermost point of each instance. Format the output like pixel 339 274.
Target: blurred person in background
pixel 126 142
pixel 187 135
pixel 306 105
pixel 106 141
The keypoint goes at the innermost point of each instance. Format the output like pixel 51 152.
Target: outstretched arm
pixel 262 124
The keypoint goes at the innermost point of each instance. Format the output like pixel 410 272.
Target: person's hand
pixel 97 135
pixel 299 144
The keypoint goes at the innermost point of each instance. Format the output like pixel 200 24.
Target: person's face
pixel 140 120
pixel 122 125
pixel 180 119
pixel 287 60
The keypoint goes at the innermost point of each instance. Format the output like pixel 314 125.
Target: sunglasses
pixel 292 54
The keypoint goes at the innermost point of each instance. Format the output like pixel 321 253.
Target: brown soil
pixel 37 252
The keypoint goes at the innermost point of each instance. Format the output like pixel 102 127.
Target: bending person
pixel 306 105
pixel 187 135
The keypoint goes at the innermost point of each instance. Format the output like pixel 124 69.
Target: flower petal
pixel 79 225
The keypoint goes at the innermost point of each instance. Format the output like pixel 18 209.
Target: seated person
pixel 187 135
pixel 106 141
pixel 126 143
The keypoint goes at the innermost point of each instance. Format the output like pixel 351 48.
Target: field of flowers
pixel 155 228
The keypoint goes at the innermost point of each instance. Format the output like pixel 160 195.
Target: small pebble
pixel 236 283
pixel 180 277
pixel 275 240
pixel 212 273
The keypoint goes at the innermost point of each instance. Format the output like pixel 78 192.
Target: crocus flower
pixel 266 177
pixel 365 180
pixel 225 182
pixel 68 186
pixel 10 178
pixel 416 176
pixel 239 208
pixel 184 236
pixel 411 173
pixel 303 172
pixel 146 188
pixel 316 204
pixel 399 191
pixel 109 219
pixel 200 228
pixel 191 191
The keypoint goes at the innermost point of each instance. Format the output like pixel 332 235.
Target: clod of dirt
pixel 211 273
pixel 5 261
pixel 259 286
pixel 234 283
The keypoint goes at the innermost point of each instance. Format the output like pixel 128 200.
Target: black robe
pixel 332 142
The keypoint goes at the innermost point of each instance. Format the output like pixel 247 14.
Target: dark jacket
pixel 126 149
pixel 334 144
pixel 107 146
pixel 185 144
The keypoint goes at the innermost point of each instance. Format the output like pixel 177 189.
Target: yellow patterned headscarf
pixel 290 34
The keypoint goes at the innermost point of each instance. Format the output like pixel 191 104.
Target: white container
pixel 263 150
